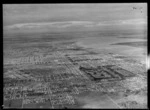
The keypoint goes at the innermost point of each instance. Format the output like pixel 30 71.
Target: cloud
pixel 50 24
pixel 67 24
pixel 123 22
pixel 134 21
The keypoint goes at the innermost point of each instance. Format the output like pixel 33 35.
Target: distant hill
pixel 135 44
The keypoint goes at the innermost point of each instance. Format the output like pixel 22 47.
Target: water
pixel 103 44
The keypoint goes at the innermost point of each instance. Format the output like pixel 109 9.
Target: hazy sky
pixel 65 15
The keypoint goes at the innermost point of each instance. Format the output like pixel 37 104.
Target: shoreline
pixel 139 57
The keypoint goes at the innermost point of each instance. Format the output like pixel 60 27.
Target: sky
pixel 73 16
